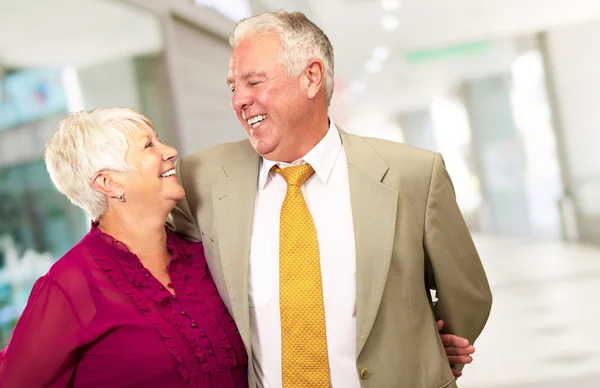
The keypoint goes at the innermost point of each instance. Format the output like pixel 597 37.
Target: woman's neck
pixel 146 238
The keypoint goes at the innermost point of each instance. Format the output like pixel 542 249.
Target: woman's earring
pixel 121 197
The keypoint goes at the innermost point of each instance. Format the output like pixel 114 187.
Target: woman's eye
pixel 149 144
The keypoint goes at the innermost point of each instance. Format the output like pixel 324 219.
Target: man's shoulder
pixel 218 153
pixel 394 152
pixel 209 162
pixel 408 168
pixel 204 168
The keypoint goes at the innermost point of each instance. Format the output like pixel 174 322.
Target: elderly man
pixel 324 245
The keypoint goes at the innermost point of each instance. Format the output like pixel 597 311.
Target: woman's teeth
pixel 168 173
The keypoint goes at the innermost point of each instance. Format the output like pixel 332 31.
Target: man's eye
pixel 149 144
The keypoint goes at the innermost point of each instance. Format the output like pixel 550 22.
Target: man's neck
pixel 306 143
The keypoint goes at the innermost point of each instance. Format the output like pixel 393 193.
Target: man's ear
pixel 104 182
pixel 314 77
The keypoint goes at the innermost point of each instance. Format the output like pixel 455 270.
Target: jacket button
pixel 364 373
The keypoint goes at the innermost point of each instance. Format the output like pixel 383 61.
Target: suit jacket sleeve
pixel 181 220
pixel 455 271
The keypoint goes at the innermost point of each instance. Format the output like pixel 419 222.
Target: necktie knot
pixel 295 175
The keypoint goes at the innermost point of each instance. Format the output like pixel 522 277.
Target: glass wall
pixel 37 223
pixel 38 226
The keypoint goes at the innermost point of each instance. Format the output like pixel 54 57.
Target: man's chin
pixel 262 148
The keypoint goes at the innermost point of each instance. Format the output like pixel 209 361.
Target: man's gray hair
pixel 87 143
pixel 302 40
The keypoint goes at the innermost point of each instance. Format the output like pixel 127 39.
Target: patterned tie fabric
pixel 304 362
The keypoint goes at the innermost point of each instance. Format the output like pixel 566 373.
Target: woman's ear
pixel 103 182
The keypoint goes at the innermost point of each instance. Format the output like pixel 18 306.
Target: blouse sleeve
pixel 42 351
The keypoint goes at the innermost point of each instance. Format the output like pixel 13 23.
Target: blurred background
pixel 508 91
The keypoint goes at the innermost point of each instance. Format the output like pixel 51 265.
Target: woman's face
pixel 155 184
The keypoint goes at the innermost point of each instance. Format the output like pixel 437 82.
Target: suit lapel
pixel 233 200
pixel 374 207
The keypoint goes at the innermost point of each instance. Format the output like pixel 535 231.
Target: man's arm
pixel 463 295
pixel 181 220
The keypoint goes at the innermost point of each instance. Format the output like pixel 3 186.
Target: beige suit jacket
pixel 410 237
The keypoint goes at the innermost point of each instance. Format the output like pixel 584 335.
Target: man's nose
pixel 240 99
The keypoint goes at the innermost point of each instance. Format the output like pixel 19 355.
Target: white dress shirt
pixel 327 194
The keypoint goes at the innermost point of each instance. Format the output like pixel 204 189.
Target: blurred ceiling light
pixel 390 4
pixel 389 23
pixel 358 87
pixel 381 53
pixel 373 66
pixel 73 91
pixel 234 10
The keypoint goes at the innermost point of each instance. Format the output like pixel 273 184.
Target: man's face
pixel 268 103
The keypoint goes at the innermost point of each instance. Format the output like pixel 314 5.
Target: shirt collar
pixel 322 158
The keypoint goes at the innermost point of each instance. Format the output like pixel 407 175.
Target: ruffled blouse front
pixel 108 322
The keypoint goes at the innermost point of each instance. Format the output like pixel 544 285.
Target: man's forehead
pixel 255 47
pixel 237 62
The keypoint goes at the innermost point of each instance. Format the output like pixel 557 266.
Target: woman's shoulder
pixel 72 268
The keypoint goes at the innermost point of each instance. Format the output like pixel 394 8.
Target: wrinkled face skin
pixel 271 106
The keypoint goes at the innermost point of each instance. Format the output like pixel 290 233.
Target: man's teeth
pixel 257 119
pixel 168 173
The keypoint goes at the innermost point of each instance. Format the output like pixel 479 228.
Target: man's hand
pixel 457 349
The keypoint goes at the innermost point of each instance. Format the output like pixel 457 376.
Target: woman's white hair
pixel 302 40
pixel 87 143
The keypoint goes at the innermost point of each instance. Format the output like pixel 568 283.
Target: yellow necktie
pixel 304 362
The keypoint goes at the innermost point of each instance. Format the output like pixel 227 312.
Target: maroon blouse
pixel 100 319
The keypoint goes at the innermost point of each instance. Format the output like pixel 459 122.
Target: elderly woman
pixel 131 305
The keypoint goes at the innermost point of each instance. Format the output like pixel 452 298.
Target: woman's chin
pixel 178 194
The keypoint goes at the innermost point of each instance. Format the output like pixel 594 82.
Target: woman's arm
pixel 42 351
